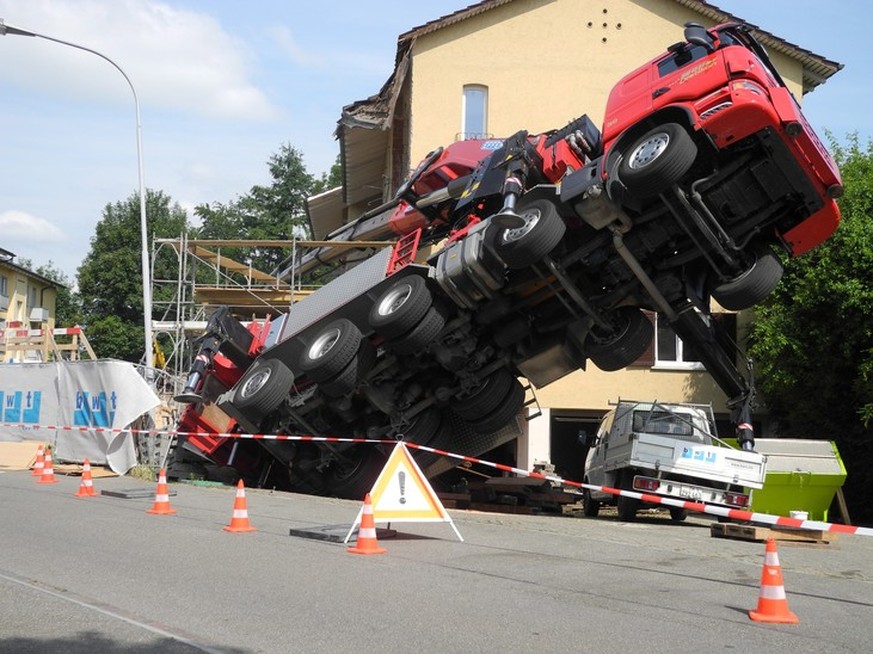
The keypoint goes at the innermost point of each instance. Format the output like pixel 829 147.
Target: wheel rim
pixel 394 299
pixel 649 150
pixel 324 343
pixel 256 382
pixel 531 218
pixel 348 464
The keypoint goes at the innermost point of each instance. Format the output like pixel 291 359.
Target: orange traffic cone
pixel 48 473
pixel 86 488
pixel 239 522
pixel 39 464
pixel 772 605
pixel 162 497
pixel 367 543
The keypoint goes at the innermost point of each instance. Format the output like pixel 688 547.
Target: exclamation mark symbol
pixel 401 478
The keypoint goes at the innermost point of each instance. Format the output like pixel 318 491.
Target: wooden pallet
pixel 758 533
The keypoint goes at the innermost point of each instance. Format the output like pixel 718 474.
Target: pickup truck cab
pixel 668 450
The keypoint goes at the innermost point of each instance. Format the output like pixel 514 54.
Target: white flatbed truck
pixel 669 450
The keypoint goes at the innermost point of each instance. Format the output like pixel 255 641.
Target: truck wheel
pixel 754 285
pixel 590 507
pixel 487 397
pixel 354 372
pixel 677 514
pixel 427 428
pixel 510 407
pixel 657 160
pixel 331 350
pixel 524 246
pixel 626 345
pixel 401 307
pixel 422 334
pixel 352 476
pixel 627 506
pixel 263 387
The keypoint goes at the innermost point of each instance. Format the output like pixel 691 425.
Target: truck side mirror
pixel 696 34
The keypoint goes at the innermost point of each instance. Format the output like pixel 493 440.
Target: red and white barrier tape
pixel 697 507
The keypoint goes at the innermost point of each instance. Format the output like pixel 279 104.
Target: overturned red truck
pixel 547 249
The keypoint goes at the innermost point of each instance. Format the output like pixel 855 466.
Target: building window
pixel 672 352
pixel 4 286
pixel 475 112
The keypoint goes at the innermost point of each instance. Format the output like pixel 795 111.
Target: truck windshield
pixel 662 422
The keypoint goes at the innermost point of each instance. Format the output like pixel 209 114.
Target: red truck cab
pixel 721 87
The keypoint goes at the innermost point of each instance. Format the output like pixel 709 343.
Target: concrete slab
pixel 336 533
pixel 134 493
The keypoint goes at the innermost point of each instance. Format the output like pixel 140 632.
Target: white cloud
pixel 284 38
pixel 352 61
pixel 176 58
pixel 22 227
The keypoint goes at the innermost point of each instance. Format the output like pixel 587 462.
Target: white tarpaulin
pixel 79 395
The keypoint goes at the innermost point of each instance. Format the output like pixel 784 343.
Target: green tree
pixel 331 179
pixel 110 276
pixel 273 212
pixel 68 305
pixel 812 341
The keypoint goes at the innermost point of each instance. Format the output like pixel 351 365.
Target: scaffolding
pixel 207 279
pixel 18 344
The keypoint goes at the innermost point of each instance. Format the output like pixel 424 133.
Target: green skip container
pixel 802 475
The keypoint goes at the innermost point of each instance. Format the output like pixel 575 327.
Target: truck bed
pixel 671 456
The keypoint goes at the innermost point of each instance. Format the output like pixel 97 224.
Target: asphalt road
pixel 102 575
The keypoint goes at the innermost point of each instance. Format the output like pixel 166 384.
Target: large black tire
pixel 487 397
pixel 354 475
pixel 677 513
pixel 425 426
pixel 754 285
pixel 421 335
pixel 629 342
pixel 355 371
pixel 331 350
pixel 627 506
pixel 590 506
pixel 657 160
pixel 429 428
pixel 524 246
pixel 263 387
pixel 510 407
pixel 401 307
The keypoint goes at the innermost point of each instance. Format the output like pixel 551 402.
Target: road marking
pixel 106 609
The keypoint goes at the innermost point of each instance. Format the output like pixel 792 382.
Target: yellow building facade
pixel 27 301
pixel 536 65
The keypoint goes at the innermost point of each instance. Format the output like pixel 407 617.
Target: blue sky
pixel 223 83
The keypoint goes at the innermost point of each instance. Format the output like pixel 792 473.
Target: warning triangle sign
pixel 403 494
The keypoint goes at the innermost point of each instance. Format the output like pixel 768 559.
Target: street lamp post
pixel 146 272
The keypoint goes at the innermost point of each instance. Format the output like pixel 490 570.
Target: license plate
pixel 691 493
